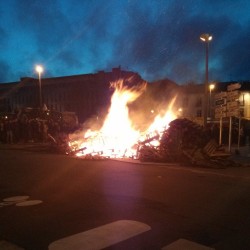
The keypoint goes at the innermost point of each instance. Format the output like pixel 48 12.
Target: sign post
pixel 220 139
pixel 227 105
pixel 233 109
pixel 239 133
pixel 220 109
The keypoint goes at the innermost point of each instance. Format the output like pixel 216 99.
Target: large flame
pixel 117 136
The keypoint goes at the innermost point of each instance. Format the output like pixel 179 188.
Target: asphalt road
pixel 65 196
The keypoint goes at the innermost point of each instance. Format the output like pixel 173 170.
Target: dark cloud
pixel 236 58
pixel 69 59
pixel 3 35
pixel 158 39
pixel 168 45
pixel 4 71
pixel 44 20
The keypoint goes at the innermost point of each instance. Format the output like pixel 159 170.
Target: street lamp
pixel 211 87
pixel 39 70
pixel 206 38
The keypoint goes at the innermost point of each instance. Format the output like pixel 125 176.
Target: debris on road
pixel 186 142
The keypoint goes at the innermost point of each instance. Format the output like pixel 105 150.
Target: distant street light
pixel 39 70
pixel 206 38
pixel 211 88
pixel 180 112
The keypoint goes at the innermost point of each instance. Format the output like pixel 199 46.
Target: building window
pixel 185 101
pixel 198 102
pixel 198 113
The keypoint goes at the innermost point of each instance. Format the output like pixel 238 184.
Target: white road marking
pixel 101 237
pixel 187 245
pixel 28 203
pixel 17 198
pixel 6 203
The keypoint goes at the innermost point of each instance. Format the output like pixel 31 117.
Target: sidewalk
pixel 241 155
pixel 243 150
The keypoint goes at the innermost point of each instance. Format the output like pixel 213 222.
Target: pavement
pixel 240 155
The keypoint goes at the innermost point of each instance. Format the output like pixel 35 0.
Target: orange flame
pixel 118 137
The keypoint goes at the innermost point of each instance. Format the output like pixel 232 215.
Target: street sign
pixel 233 86
pixel 232 105
pixel 220 95
pixel 220 109
pixel 220 115
pixel 233 95
pixel 220 102
pixel 233 113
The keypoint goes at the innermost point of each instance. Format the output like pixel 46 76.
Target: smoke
pixel 154 101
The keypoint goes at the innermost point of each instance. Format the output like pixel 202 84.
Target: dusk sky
pixel 156 38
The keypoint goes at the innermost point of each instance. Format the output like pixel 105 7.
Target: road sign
pixel 220 95
pixel 232 105
pixel 233 95
pixel 220 109
pixel 233 86
pixel 220 115
pixel 233 113
pixel 220 102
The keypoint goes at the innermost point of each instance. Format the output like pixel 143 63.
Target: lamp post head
pixel 39 69
pixel 206 37
pixel 211 86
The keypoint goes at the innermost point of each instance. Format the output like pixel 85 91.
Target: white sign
pixel 232 105
pixel 233 86
pixel 220 102
pixel 233 113
pixel 220 109
pixel 220 115
pixel 220 95
pixel 233 95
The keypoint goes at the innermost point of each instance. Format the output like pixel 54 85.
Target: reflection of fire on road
pixel 118 136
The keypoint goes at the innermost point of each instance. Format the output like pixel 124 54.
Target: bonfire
pixel 118 137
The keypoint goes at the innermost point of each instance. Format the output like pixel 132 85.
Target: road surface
pixel 50 201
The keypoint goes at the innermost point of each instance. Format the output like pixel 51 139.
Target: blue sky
pixel 156 38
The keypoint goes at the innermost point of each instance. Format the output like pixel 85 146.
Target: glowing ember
pixel 118 137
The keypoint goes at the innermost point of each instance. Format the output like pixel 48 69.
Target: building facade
pixel 89 94
pixel 83 94
pixel 219 103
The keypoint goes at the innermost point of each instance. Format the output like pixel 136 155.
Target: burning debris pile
pixel 164 139
pixel 186 142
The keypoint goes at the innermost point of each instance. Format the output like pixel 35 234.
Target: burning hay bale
pixel 186 142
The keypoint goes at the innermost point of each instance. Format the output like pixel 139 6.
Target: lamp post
pixel 211 87
pixel 206 38
pixel 39 70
